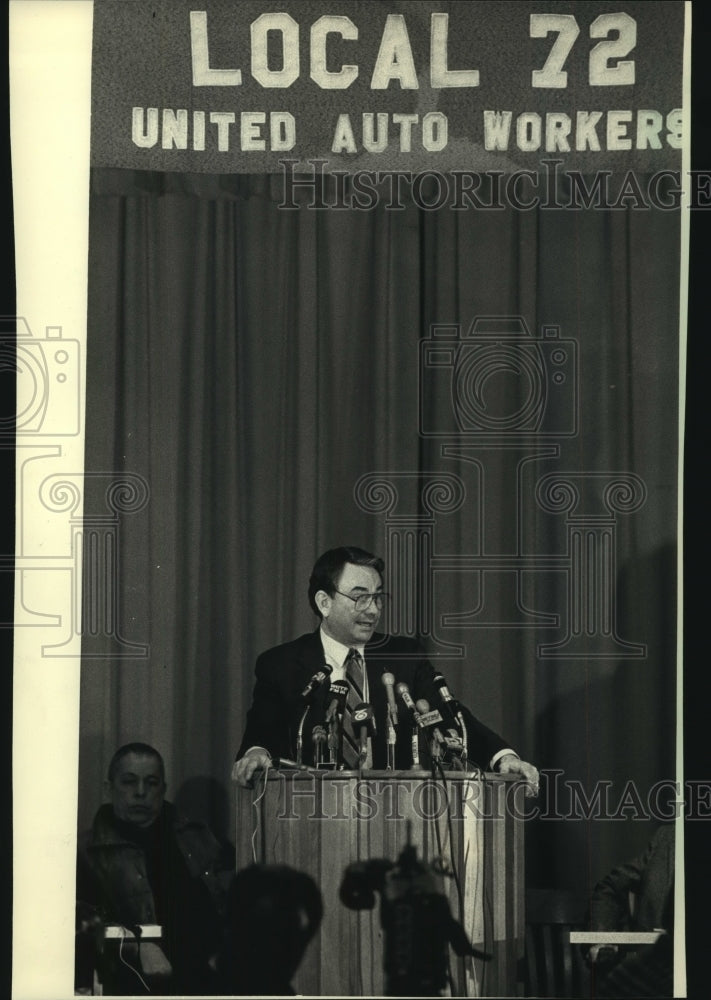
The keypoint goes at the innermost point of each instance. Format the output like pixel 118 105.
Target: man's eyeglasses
pixel 363 601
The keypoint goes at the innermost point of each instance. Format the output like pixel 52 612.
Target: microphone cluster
pixel 443 732
pixel 427 721
pixel 307 696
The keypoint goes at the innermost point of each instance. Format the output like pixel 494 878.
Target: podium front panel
pixel 322 821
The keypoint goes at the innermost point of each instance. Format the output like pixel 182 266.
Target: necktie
pixel 354 676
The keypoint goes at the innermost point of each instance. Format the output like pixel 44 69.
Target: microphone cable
pixel 137 934
pixel 437 765
pixel 255 804
pixel 479 887
pixel 450 828
pixel 458 884
pixel 363 849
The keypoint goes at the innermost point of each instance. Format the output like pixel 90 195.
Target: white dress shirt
pixel 336 654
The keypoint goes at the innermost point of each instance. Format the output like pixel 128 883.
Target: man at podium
pixel 378 688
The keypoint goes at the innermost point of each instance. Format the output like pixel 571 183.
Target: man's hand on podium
pixel 256 759
pixel 511 764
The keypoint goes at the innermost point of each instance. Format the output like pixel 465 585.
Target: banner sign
pixel 221 87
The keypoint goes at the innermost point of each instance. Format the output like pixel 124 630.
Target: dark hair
pixel 328 568
pixel 141 750
pixel 272 912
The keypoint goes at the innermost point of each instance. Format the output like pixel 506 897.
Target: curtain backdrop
pixel 249 365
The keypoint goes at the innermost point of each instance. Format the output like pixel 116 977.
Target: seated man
pixel 273 912
pixel 143 864
pixel 643 970
pixel 346 593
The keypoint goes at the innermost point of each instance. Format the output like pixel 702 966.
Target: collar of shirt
pixel 335 654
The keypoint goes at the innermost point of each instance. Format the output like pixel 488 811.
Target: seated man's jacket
pixel 283 672
pixel 179 881
pixel 650 877
pixel 111 869
pixel 646 970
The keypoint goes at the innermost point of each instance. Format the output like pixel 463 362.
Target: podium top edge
pixel 302 774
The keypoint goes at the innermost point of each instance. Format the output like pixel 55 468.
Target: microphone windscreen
pixel 339 690
pixel 422 705
pixel 388 679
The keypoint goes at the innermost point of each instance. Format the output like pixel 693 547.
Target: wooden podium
pixel 322 821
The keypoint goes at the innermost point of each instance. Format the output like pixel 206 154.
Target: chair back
pixel 554 967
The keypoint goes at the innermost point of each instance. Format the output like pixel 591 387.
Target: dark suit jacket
pixel 649 970
pixel 650 877
pixel 284 671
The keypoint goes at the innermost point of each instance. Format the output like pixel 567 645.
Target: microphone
pixel 456 710
pixel 307 696
pixel 388 680
pixel 363 718
pixel 334 719
pixel 318 738
pixel 446 695
pixel 337 705
pixel 428 720
pixel 318 678
pixel 404 692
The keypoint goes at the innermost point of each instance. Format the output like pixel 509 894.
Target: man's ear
pixel 323 602
pixel 107 788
